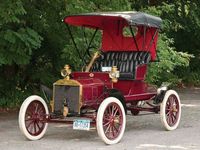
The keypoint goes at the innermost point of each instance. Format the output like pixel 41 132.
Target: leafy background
pixel 34 42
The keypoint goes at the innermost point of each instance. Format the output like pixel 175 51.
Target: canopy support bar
pixel 84 34
pixel 134 38
pixel 70 33
pixel 93 36
pixel 152 40
pixel 144 38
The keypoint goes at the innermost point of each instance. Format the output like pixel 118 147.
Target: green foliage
pixel 193 79
pixel 17 46
pixel 168 60
pixel 10 12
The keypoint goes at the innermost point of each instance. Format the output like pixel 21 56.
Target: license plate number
pixel 81 124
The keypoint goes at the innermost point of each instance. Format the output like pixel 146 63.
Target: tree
pixel 17 42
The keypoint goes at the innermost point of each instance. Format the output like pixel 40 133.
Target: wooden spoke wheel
pixel 111 120
pixel 32 117
pixel 170 110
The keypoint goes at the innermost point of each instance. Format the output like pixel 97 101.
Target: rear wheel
pixel 32 117
pixel 111 120
pixel 170 110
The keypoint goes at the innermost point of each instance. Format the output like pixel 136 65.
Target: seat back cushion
pixel 126 62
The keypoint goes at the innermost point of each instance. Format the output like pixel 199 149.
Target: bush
pixel 192 79
pixel 164 70
pixel 13 98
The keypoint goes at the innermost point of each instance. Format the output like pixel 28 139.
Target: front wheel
pixel 111 120
pixel 32 117
pixel 170 110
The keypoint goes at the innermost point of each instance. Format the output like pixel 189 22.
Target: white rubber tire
pixel 22 113
pixel 99 121
pixel 163 111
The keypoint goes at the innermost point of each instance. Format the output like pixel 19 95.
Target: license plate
pixel 80 124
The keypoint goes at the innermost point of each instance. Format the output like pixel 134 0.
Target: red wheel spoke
pixel 107 119
pixel 112 110
pixel 36 107
pixel 170 101
pixel 171 119
pixel 40 110
pixel 27 126
pixel 30 109
pixel 37 124
pixel 116 129
pixel 107 123
pixel 174 116
pixel 109 110
pixel 110 132
pixel 113 132
pixel 107 129
pixel 28 113
pixel 30 128
pixel 29 119
pixel 35 130
pixel 167 114
pixel 167 119
pixel 117 109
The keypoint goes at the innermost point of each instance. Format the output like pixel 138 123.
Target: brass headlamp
pixel 114 74
pixel 66 72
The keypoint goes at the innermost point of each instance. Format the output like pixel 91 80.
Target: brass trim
pixel 80 99
pixel 52 105
pixel 91 75
pixel 114 77
pixel 69 82
pixel 53 101
pixel 66 72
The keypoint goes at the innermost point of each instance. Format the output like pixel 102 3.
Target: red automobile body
pixel 94 85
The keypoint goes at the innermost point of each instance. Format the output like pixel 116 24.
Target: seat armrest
pixel 140 71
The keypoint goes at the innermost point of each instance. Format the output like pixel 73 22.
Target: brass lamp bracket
pixel 114 74
pixel 66 72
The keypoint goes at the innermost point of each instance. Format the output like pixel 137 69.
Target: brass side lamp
pixel 114 74
pixel 66 72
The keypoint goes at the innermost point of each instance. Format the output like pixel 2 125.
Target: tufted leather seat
pixel 126 62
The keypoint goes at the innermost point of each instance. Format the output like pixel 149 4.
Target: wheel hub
pixel 174 109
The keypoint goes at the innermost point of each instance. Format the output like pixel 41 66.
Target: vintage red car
pixel 111 84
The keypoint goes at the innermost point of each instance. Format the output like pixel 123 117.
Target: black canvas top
pixel 132 17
